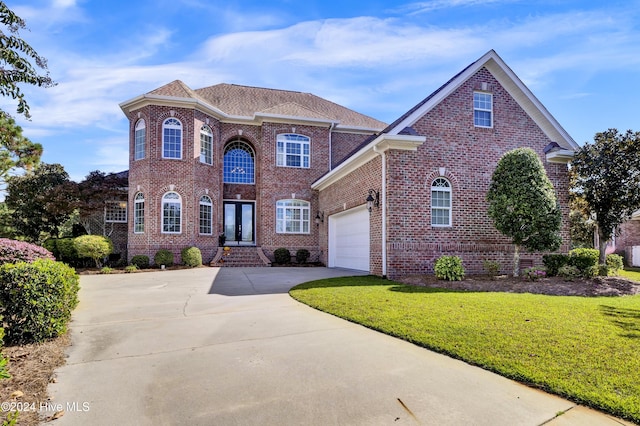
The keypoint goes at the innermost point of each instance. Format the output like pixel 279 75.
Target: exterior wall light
pixel 319 218
pixel 373 199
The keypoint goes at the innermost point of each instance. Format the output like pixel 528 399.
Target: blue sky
pixel 580 58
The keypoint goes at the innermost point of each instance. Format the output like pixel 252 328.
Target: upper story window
pixel 239 164
pixel 138 213
pixel 206 145
pixel 206 214
pixel 171 138
pixel 292 217
pixel 293 150
pixel 171 213
pixel 440 202
pixel 116 212
pixel 140 136
pixel 482 109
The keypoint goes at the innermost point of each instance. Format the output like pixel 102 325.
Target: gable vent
pixel 485 87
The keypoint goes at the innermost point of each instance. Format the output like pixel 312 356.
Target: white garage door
pixel 349 239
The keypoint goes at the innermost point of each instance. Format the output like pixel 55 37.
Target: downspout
pixel 331 127
pixel 383 190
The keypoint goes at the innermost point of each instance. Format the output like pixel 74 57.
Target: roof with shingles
pixel 247 101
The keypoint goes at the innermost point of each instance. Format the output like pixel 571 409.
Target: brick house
pixel 271 168
pixel 627 243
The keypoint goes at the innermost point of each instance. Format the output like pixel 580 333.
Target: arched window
pixel 293 150
pixel 140 136
pixel 238 163
pixel 206 214
pixel 206 145
pixel 171 213
pixel 440 202
pixel 171 138
pixel 292 217
pixel 138 213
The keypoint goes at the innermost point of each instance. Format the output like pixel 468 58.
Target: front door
pixel 238 222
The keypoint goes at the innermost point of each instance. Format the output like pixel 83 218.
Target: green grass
pixel 631 273
pixel 585 349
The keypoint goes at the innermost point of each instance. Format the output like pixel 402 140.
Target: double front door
pixel 239 222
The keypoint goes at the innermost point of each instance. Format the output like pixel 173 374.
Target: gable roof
pixel 401 135
pixel 232 102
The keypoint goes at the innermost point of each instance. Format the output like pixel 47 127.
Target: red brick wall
pixel 343 144
pixel 629 237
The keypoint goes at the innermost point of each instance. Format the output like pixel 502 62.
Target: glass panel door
pixel 238 222
pixel 230 221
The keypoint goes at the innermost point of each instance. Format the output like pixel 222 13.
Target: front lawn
pixel 583 348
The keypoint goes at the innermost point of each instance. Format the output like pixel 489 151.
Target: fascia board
pixel 382 143
pixel 278 118
pixel 171 101
pixel 357 129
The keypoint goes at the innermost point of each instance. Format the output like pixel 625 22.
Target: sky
pixel 580 58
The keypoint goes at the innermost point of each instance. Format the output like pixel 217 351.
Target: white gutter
pixel 383 190
pixel 333 126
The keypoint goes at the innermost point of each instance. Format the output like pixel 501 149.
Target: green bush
pixel 491 267
pixel 553 262
pixel 64 250
pixel 106 270
pixel 568 272
pixel 130 268
pixel 141 261
pixel 94 247
pixel 449 268
pixel 614 263
pixel 282 255
pixel 163 257
pixel 302 255
pixel 37 299
pixel 191 256
pixel 586 260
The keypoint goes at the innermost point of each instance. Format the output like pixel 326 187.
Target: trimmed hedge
pixel 282 255
pixel 140 261
pixel 95 247
pixel 163 257
pixel 191 256
pixel 586 260
pixel 302 255
pixel 12 251
pixel 64 250
pixel 553 263
pixel 37 299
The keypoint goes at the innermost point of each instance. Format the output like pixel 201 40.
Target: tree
pixel 95 247
pixel 94 192
pixel 41 201
pixel 523 204
pixel 19 61
pixel 606 174
pixel 16 151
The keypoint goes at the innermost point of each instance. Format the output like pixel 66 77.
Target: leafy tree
pixel 95 247
pixel 41 201
pixel 94 192
pixel 523 205
pixel 19 62
pixel 606 174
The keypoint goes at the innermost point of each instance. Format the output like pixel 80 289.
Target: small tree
pixel 606 174
pixel 523 205
pixel 95 247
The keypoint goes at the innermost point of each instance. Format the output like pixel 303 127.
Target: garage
pixel 349 239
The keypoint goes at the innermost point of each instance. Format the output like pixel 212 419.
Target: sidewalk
pixel 228 346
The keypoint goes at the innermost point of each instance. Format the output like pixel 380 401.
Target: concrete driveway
pixel 228 346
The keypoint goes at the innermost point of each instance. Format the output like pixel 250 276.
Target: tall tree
pixel 19 62
pixel 16 151
pixel 523 204
pixel 95 191
pixel 41 201
pixel 606 174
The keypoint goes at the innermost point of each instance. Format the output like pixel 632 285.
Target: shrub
pixel 191 256
pixel 302 255
pixel 614 263
pixel 553 262
pixel 282 255
pixel 568 272
pixel 449 268
pixel 163 257
pixel 64 250
pixel 12 251
pixel 491 267
pixel 586 260
pixel 130 268
pixel 106 270
pixel 140 261
pixel 95 247
pixel 535 273
pixel 37 299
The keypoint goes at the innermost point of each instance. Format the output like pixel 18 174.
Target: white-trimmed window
pixel 440 202
pixel 239 163
pixel 140 136
pixel 482 109
pixel 138 213
pixel 172 138
pixel 292 217
pixel 116 212
pixel 293 150
pixel 206 145
pixel 171 213
pixel 206 214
